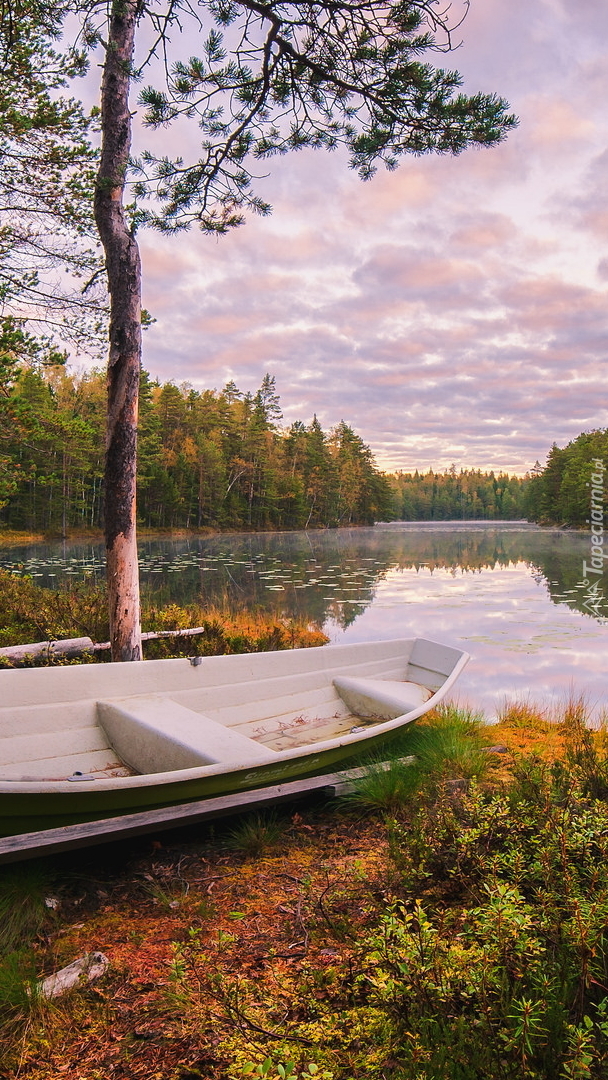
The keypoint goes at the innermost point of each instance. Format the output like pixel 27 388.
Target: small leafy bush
pixel 288 1071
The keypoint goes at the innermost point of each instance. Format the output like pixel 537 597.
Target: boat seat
pixel 384 698
pixel 153 734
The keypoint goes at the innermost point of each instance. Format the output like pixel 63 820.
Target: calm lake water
pixel 513 595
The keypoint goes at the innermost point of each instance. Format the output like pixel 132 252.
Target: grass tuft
pixel 387 786
pixel 23 911
pixel 448 746
pixel 523 714
pixel 23 915
pixel 255 834
pixel 586 750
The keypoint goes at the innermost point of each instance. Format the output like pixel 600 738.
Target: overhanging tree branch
pixel 294 75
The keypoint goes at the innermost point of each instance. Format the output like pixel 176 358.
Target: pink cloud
pixel 554 124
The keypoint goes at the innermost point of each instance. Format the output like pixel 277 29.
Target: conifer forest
pixel 211 459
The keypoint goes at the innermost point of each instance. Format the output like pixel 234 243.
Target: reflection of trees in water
pixel 334 574
pixel 360 559
pixel 562 573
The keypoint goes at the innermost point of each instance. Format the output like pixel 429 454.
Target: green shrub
pixel 494 962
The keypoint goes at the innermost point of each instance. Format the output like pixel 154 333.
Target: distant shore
pixel 16 538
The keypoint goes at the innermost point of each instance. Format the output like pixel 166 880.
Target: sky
pixel 453 311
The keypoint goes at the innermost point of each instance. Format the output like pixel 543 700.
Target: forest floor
pixel 234 949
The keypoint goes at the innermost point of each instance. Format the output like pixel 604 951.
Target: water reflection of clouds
pixel 520 645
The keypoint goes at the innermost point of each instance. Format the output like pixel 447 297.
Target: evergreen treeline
pixel 559 494
pixel 466 495
pixel 211 459
pixel 205 458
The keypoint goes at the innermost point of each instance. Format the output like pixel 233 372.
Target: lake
pixel 513 595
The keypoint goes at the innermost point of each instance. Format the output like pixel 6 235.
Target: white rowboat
pixel 85 742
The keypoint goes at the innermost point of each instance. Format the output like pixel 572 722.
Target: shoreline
pixel 17 538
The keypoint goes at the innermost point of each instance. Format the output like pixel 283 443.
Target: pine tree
pixel 46 177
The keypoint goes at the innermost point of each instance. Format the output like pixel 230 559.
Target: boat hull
pixel 42 810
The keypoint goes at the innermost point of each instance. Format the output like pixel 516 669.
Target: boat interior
pixel 242 721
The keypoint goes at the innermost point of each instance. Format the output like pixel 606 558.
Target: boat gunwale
pixel 83 673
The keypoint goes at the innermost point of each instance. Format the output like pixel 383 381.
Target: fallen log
pixel 150 634
pixel 72 647
pixel 44 650
pixel 80 972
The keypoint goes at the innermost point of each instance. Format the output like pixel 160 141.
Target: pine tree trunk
pixel 124 283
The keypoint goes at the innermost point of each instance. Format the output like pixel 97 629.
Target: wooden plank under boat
pixel 85 742
pixel 88 834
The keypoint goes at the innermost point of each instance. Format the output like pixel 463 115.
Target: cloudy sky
pixel 452 311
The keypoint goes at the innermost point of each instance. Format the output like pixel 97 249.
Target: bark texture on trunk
pixel 124 284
